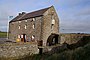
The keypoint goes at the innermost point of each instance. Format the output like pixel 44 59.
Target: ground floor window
pixel 33 37
pixel 19 36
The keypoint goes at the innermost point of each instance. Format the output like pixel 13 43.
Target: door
pixel 23 38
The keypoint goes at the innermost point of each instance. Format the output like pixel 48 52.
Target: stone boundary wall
pixel 71 38
pixel 17 49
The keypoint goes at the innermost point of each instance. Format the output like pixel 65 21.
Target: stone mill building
pixel 41 25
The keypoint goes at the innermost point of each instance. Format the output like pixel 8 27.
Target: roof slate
pixel 29 15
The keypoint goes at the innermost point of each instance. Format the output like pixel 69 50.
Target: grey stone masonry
pixel 34 26
pixel 17 49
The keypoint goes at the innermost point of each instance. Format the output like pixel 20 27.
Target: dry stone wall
pixel 17 50
pixel 72 38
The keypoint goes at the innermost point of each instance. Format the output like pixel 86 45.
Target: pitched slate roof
pixel 29 15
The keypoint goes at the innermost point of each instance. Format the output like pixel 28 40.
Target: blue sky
pixel 74 15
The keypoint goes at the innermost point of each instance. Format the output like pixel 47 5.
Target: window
pixel 19 27
pixel 33 19
pixel 25 20
pixel 53 21
pixel 33 26
pixel 25 26
pixel 19 22
pixel 33 37
pixel 19 36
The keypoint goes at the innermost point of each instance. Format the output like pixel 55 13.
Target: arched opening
pixel 52 40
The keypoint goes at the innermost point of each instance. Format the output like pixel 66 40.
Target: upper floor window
pixel 25 26
pixel 33 26
pixel 19 21
pixel 53 21
pixel 19 27
pixel 33 19
pixel 25 20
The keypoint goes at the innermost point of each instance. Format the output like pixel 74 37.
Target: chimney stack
pixel 22 13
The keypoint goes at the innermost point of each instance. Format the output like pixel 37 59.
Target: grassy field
pixel 3 34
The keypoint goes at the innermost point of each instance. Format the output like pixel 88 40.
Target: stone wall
pixel 71 38
pixel 42 30
pixel 18 49
pixel 47 27
pixel 14 30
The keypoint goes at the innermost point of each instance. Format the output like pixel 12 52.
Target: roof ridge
pixel 39 10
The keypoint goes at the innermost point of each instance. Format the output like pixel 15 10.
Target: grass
pixel 81 53
pixel 3 34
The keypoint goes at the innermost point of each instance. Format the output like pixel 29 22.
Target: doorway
pixel 23 37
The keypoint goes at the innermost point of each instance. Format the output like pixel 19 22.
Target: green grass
pixel 3 34
pixel 81 53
